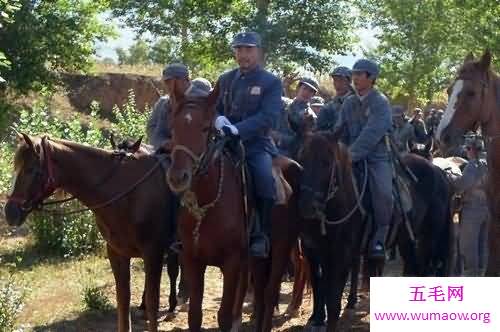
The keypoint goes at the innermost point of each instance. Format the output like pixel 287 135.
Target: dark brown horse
pixel 474 101
pixel 130 206
pixel 332 247
pixel 213 226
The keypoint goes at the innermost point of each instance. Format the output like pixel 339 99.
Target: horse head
pixel 323 162
pixel 33 178
pixel 469 102
pixel 192 120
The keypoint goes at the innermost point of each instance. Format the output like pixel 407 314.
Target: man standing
pixel 418 123
pixel 475 214
pixel 364 121
pixel 249 104
pixel 329 114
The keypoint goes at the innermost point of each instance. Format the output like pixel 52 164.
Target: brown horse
pixel 474 101
pixel 130 205
pixel 212 224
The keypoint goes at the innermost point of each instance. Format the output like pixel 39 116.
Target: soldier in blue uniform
pixel 364 121
pixel 249 105
pixel 329 114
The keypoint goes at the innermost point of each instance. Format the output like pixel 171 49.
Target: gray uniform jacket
pixel 364 121
pixel 473 184
pixel 329 113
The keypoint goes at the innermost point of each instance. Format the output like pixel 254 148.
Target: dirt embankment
pixel 110 89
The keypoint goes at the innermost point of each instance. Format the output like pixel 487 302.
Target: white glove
pixel 233 129
pixel 222 121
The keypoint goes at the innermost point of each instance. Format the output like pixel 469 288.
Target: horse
pixel 214 220
pixel 128 195
pixel 333 246
pixel 474 101
pixel 136 147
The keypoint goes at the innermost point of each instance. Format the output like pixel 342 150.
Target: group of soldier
pixel 251 108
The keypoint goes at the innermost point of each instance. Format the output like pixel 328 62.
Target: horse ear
pixel 469 58
pixel 135 147
pixel 212 99
pixel 485 61
pixel 112 141
pixel 28 141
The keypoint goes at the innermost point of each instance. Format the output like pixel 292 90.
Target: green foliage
pixel 305 33
pixel 7 8
pixel 138 53
pixel 423 42
pixel 129 122
pixel 94 299
pixel 50 36
pixel 11 303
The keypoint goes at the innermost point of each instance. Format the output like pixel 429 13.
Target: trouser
pixel 380 182
pixel 474 240
pixel 260 166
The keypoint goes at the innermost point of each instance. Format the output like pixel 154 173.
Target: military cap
pixel 398 110
pixel 175 70
pixel 365 65
pixel 317 101
pixel 310 82
pixel 250 38
pixel 341 71
pixel 202 83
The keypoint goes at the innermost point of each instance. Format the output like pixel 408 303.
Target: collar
pixel 249 74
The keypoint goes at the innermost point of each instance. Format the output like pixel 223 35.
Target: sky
pixel 126 37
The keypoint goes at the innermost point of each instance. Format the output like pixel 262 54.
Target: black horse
pixel 334 250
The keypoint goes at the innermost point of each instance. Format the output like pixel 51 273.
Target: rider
pixel 475 214
pixel 248 105
pixel 364 121
pixel 175 77
pixel 329 114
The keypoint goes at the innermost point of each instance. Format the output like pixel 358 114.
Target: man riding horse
pixel 364 121
pixel 249 104
pixel 175 78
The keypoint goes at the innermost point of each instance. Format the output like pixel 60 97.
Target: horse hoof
pixel 247 308
pixel 169 317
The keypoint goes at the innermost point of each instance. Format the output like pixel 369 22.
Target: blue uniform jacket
pixel 364 122
pixel 252 102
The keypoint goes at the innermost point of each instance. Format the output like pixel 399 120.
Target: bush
pixel 94 299
pixel 11 304
pixel 65 235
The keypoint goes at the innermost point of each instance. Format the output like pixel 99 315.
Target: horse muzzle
pixel 15 214
pixel 179 180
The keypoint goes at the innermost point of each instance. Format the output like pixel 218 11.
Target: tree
pixel 422 42
pixel 50 36
pixel 7 8
pixel 305 33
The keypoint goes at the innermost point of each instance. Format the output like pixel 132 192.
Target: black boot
pixel 378 243
pixel 260 244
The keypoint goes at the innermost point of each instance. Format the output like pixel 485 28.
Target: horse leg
pixel 240 295
pixel 366 273
pixel 336 276
pixel 121 271
pixel 317 282
pixel 183 295
pixel 353 290
pixel 173 273
pixel 260 272
pixel 299 282
pixel 196 279
pixel 153 261
pixel 231 273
